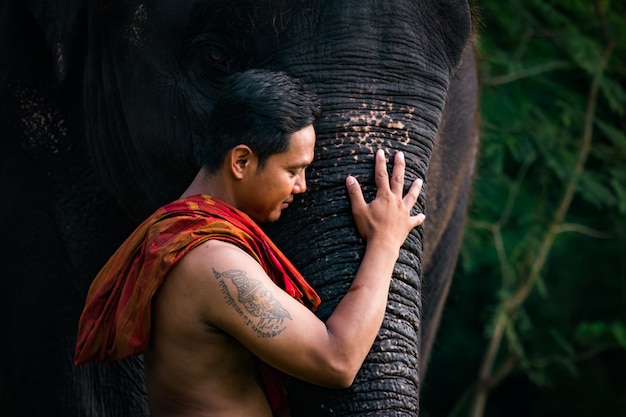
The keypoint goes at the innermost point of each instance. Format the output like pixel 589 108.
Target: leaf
pixel 614 94
pixel 539 376
pixel 619 332
pixel 594 188
pixel 618 182
pixel 562 342
pixel 592 332
pixel 585 51
pixel 570 367
pixel 601 333
pixel 616 136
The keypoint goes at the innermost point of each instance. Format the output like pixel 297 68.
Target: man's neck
pixel 209 184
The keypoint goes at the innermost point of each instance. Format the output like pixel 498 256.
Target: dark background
pixel 538 301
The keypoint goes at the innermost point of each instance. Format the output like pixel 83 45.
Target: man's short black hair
pixel 260 109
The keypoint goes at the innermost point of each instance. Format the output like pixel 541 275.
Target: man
pixel 212 304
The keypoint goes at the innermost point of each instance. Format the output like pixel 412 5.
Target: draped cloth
pixel 115 322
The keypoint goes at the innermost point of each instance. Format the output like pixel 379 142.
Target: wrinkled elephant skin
pixel 103 108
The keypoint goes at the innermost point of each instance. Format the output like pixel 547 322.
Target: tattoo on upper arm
pixel 261 311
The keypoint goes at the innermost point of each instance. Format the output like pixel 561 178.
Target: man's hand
pixel 387 217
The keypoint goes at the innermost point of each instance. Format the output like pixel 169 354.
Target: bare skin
pixel 218 310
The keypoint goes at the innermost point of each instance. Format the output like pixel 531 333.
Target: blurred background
pixel 535 324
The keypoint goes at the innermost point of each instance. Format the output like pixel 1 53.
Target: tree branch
pixel 568 195
pixel 510 306
pixel 582 229
pixel 525 73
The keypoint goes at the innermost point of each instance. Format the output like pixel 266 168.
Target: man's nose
pixel 300 185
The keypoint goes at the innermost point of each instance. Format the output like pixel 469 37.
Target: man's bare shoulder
pixel 239 289
pixel 214 249
pixel 193 278
pixel 197 266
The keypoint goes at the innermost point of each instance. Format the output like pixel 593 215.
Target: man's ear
pixel 241 161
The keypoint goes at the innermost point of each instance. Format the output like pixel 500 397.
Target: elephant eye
pixel 211 48
pixel 217 56
pixel 209 58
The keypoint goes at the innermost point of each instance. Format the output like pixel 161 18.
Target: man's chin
pixel 273 219
pixel 268 219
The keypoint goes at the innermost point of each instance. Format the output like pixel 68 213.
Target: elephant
pixel 103 105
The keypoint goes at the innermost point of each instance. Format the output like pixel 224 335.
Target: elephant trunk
pixel 319 235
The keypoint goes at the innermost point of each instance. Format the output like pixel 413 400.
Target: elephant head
pixel 397 76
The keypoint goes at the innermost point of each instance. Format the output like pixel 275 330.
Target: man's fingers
pixel 414 192
pixel 354 191
pixel 380 170
pixel 397 175
pixel 411 199
pixel 417 220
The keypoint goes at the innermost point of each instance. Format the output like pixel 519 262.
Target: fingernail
pixel 350 180
pixel 401 155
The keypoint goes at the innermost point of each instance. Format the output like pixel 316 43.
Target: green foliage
pixel 542 272
pixel 602 333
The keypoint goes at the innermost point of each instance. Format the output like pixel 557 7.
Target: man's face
pixel 269 191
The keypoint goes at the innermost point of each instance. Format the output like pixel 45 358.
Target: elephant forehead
pixel 377 126
pixel 378 118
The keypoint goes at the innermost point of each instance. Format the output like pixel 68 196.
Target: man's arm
pixel 384 223
pixel 282 332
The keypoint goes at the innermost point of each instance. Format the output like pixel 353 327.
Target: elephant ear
pixel 36 34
